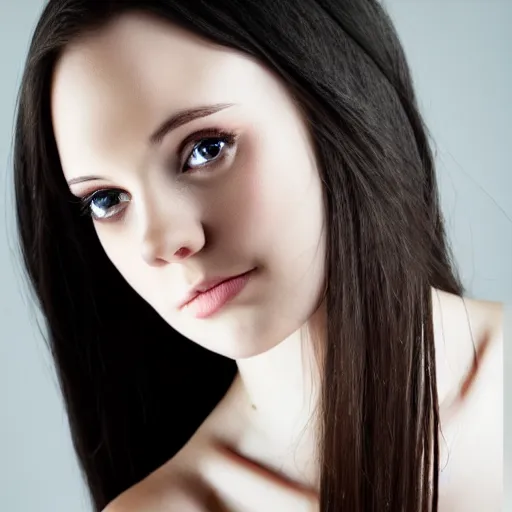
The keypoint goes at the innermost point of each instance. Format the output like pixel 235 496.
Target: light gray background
pixel 460 54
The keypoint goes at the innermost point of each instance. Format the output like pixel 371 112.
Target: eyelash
pixel 198 138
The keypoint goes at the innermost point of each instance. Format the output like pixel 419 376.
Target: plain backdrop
pixel 460 55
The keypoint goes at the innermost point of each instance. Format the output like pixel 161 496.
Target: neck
pixel 280 390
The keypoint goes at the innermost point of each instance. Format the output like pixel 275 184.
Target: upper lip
pixel 204 286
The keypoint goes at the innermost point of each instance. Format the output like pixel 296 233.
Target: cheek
pixel 253 203
pixel 111 243
pixel 125 257
pixel 243 210
pixel 281 213
pixel 282 204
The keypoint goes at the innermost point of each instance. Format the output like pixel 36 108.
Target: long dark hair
pixel 135 389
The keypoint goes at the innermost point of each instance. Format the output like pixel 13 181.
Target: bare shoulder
pixel 177 486
pixel 471 477
pixel 466 331
pixel 172 487
pixel 154 494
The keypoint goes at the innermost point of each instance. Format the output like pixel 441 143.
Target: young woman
pixel 229 215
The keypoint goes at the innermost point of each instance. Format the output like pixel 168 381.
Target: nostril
pixel 183 252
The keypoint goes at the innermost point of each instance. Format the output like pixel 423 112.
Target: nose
pixel 169 238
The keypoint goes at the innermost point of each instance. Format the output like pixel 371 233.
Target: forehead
pixel 149 56
pixel 127 77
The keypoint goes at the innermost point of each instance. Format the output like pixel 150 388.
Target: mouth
pixel 206 303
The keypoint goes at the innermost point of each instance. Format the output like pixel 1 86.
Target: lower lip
pixel 211 301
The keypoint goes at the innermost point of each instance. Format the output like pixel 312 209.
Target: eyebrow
pixel 171 123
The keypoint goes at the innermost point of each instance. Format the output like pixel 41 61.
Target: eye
pixel 105 204
pixel 208 149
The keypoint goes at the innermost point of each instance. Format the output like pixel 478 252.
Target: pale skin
pixel 169 229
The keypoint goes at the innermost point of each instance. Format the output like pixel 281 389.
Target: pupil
pixel 214 153
pixel 104 201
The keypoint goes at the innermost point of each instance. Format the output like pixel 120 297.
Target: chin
pixel 232 345
pixel 236 349
pixel 246 352
pixel 237 335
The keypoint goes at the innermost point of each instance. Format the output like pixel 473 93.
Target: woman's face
pixel 194 204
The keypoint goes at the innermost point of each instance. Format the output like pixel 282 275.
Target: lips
pixel 203 304
pixel 204 286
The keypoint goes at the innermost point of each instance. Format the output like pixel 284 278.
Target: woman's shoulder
pixel 471 441
pixel 463 328
pixel 177 484
pixel 468 337
pixel 174 486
